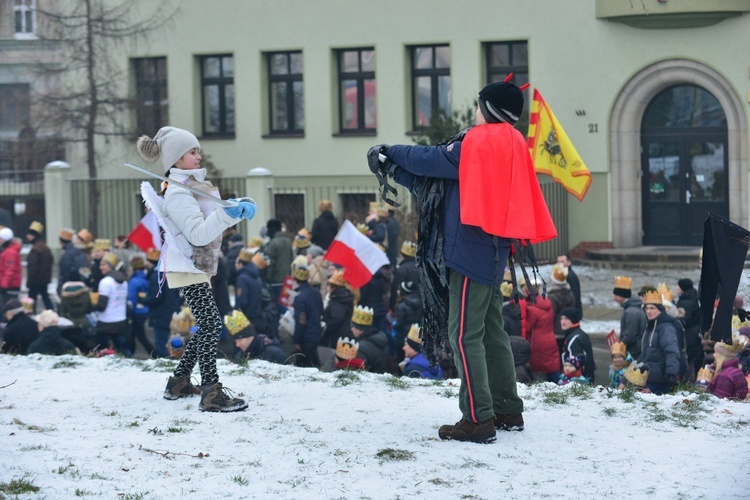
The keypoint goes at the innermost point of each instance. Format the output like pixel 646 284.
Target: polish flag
pixel 146 234
pixel 360 257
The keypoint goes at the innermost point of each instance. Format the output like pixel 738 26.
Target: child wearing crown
pixel 346 355
pixel 620 362
pixel 373 344
pixel 415 364
pixel 728 380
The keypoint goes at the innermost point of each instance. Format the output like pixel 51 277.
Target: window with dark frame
pixel 14 106
pixel 217 85
pixel 286 93
pixel 356 206
pixel 290 210
pixel 152 104
pixel 503 58
pixel 357 103
pixel 431 83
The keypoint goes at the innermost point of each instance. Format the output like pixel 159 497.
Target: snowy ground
pixel 73 426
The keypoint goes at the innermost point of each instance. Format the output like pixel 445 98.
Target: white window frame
pixel 22 7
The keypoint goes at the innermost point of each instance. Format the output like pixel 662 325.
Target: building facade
pixel 652 93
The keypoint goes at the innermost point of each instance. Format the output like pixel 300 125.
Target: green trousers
pixel 481 351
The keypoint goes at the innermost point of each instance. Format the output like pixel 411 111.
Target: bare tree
pixel 86 95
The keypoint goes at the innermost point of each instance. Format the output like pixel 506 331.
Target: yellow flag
pixel 552 151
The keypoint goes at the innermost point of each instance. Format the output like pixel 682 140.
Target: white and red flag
pixel 360 257
pixel 146 234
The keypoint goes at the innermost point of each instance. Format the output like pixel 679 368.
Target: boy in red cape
pixel 475 194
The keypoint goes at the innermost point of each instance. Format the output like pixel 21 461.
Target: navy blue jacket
pixel 467 249
pixel 248 289
pixel 72 261
pixel 308 311
pixel 419 367
pixel 160 308
pixel 138 283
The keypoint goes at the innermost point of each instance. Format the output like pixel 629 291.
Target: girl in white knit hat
pixel 193 228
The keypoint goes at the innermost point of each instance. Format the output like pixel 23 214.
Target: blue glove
pixel 248 209
pixel 234 212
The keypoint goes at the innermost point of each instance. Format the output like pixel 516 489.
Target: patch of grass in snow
pixel 156 431
pixel 470 463
pixel 82 493
pixel 31 427
pixel 242 481
pixel 65 363
pixel 448 393
pixel 609 411
pixel 555 397
pixel 113 413
pixel 98 477
pixel 309 429
pixel 174 430
pixel 392 454
pixel 346 377
pixel 397 383
pixel 688 412
pixel 19 486
pixel 581 391
pixel 37 447
pixel 627 395
pixel 439 481
pixel 134 423
pixel 133 496
pixel 65 468
pixel 238 370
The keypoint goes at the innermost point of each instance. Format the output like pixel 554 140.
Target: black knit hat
pixel 572 314
pixel 502 101
pixel 685 284
pixel 622 292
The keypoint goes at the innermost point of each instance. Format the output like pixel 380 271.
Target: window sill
pixel 358 133
pixel 219 137
pixel 294 135
pixel 416 133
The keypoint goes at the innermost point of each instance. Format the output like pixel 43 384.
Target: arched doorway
pixel 684 165
pixel 625 137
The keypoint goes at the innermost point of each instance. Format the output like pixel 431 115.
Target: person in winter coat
pixel 235 244
pixel 50 340
pixel 99 248
pixel 573 371
pixel 21 330
pixel 162 303
pixel 659 346
pixel 415 364
pixel 193 227
pixel 689 314
pixel 247 290
pixel 249 343
pixel 376 295
pixel 39 264
pixel 75 305
pixel 577 342
pixel 521 357
pixel 10 265
pixel 633 320
pixel 392 228
pixel 744 355
pixel 511 309
pixel 308 312
pixel 728 380
pixel 112 328
pixel 325 226
pixel 337 314
pixel 405 271
pixel 73 265
pixel 280 253
pixel 408 312
pixel 572 279
pixel 561 296
pixel 465 190
pixel 538 317
pixel 138 286
pixel 373 344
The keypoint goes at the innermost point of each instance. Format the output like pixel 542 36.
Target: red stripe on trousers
pixel 462 350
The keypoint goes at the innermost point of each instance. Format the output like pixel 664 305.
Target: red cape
pixel 499 190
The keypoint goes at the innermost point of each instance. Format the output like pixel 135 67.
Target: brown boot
pixel 180 387
pixel 465 430
pixel 509 421
pixel 216 398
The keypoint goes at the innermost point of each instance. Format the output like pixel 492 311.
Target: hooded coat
pixel 324 229
pixel 632 325
pixel 10 265
pixel 373 349
pixel 660 351
pixel 540 333
pixel 337 316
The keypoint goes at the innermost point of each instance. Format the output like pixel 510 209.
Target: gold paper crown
pixel 727 350
pixel 255 242
pixel 374 205
pixel 623 282
pixel 415 334
pixel 182 321
pixel 637 374
pixel 704 375
pixel 506 289
pixel 337 278
pixel 301 241
pixel 665 292
pixel 347 348
pixel 653 297
pixel 382 211
pixel 66 234
pixel 236 322
pixel 153 254
pixel 102 244
pixel 301 273
pixel 619 348
pixel 245 255
pixel 27 303
pixel 362 227
pixel 111 259
pixel 85 236
pixel 560 273
pixel 362 316
pixel 304 233
pixel 36 226
pixel 409 249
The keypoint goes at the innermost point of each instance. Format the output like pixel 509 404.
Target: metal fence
pixel 121 207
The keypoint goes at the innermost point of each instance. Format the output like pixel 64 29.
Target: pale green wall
pixel 578 62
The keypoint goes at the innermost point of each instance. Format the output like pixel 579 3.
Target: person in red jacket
pixel 538 318
pixel 10 265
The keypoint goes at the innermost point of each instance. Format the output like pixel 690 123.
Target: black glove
pixel 373 158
